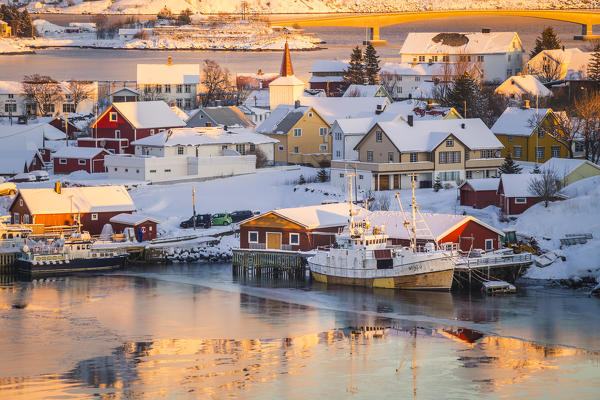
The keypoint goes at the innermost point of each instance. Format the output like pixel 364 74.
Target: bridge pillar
pixel 373 37
pixel 586 33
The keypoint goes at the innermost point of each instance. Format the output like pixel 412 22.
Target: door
pixel 274 240
pixel 396 181
pixel 384 182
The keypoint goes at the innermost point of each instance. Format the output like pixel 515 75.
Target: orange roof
pixel 286 63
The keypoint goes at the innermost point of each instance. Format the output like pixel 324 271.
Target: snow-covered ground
pixel 13 46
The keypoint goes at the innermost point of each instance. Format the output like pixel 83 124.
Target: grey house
pixel 214 116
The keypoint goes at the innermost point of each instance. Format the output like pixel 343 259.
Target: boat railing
pixel 499 260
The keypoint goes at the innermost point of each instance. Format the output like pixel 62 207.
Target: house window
pixel 539 152
pixel 151 131
pixel 113 117
pixel 21 202
pixel 322 147
pixel 555 151
pixel 158 89
pixel 167 88
pixel 341 175
pixel 511 138
pixel 467 155
pixel 540 133
pixel 434 58
pixel 94 217
pixel 188 88
pixel 81 162
pixel 450 143
pixel 310 114
pixel 10 108
pixel 297 132
pixel 280 148
pixel 152 171
pixel 116 169
pixel 360 176
pixel 489 244
pixel 294 239
pixel 252 147
pixel 421 58
pixel 487 153
pixel 241 148
pixel 479 58
pixel 417 79
pixel 11 96
pixel 338 136
pixel 62 161
pixel 509 72
pixel 117 134
pixel 414 157
pixel 180 103
pixel 445 58
pixel 296 149
pixel 469 174
pixel 518 150
pixel 378 136
pixel 449 157
pixel 68 108
pixel 578 147
pixel 369 155
pixel 180 150
pixel 167 170
pixel 520 200
pixel 322 131
pixel 188 103
pixel 16 218
pixel 253 237
pixel 449 176
pixel 179 89
pixel 49 108
pixel 338 153
pixel 25 218
pixel 391 156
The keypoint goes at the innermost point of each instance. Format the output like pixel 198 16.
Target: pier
pixel 470 273
pixel 275 263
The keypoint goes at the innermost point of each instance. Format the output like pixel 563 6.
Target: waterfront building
pixel 70 159
pixel 5 30
pixel 124 95
pixel 143 226
pixel 479 193
pixel 571 170
pixel 403 79
pixel 328 75
pixel 176 84
pixel 514 195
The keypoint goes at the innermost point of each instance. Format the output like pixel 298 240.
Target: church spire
pixel 286 63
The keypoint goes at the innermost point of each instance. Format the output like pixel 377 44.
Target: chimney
pixel 526 105
pixel 169 61
pixel 463 125
pixel 379 109
pixel 485 30
pixel 410 119
pixel 297 104
pixel 57 188
pixel 225 128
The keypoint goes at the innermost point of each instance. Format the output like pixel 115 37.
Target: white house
pixel 191 153
pixel 402 79
pixel 498 55
pixel 522 87
pixel 551 65
pixel 332 108
pixel 346 133
pixel 176 84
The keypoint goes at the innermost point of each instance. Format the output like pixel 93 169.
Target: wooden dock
pixel 7 262
pixel 506 267
pixel 277 263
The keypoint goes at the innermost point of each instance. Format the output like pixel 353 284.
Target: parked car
pixel 238 216
pixel 23 177
pixel 40 175
pixel 202 220
pixel 221 219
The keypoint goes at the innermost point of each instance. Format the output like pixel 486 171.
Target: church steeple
pixel 286 63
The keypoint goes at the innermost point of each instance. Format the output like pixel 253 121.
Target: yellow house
pixel 302 133
pixel 571 170
pixel 4 29
pixel 524 133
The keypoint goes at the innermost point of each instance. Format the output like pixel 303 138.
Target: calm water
pixel 121 64
pixel 195 331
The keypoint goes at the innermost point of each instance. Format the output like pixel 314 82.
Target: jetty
pixel 267 262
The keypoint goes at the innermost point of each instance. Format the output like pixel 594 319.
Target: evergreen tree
pixel 594 65
pixel 467 98
pixel 301 180
pixel 509 166
pixel 371 62
pixel 27 29
pixel 536 169
pixel 437 184
pixel 547 41
pixel 355 74
pixel 322 175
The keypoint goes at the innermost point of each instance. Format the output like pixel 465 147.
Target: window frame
pixel 113 114
pixel 62 161
pixel 369 155
pixel 520 200
pixel 79 161
pixel 490 242
pixel 297 242
pixel 250 237
pixel 297 132
pixel 94 216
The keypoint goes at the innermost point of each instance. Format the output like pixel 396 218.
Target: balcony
pixel 484 163
pixel 385 167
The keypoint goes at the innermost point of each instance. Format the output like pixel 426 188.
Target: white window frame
pixel 322 131
pixel 379 136
pixel 449 142
pixel 369 155
pixel 414 157
pixel 117 134
pixel 21 202
pixel 491 244
pixel 296 150
pixel 297 132
pixel 180 150
pixel 520 148
pixel 297 241
pixel 281 148
pixel 94 217
pixel 62 161
pixel 79 161
pixel 250 237
pixel 322 147
pixel 520 200
pixel 113 117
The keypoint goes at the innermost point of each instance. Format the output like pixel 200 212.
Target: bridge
pixel 373 22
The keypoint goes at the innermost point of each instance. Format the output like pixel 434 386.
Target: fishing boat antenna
pixel 419 225
pixel 405 221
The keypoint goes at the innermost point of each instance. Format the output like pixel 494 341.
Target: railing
pixel 257 246
pixel 502 260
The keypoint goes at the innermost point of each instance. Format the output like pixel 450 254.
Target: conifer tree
pixel 355 74
pixel 509 166
pixel 594 65
pixel 437 184
pixel 322 175
pixel 372 68
pixel 466 97
pixel 547 41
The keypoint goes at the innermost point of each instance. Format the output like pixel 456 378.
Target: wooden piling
pixel 268 263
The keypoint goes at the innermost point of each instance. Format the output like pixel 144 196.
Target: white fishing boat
pixel 362 257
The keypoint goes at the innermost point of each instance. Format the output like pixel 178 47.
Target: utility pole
pixel 194 204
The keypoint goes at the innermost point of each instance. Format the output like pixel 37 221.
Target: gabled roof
pixel 574 62
pixel 523 84
pixel 125 89
pixel 132 219
pixel 202 136
pixel 329 66
pixel 518 121
pixel 228 115
pixel 412 69
pixel 258 98
pixel 516 185
pixel 459 43
pixel 366 91
pixel 315 217
pixel 332 108
pixel 11 87
pixel 282 119
pixel 146 114
pixel 172 74
pixel 564 166
pixel 78 152
pixel 84 199
pixel 482 184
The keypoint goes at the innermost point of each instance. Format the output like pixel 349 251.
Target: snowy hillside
pixel 296 6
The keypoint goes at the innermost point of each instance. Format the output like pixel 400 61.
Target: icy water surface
pixel 196 331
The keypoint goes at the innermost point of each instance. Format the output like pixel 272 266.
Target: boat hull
pixel 75 265
pixel 439 280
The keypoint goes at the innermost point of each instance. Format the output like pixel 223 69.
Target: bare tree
pixel 43 90
pixel 587 111
pixel 545 185
pixel 79 91
pixel 216 81
pixel 549 69
pixel 152 93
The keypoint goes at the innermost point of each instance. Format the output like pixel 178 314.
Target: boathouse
pixel 514 194
pixel 93 206
pixel 479 193
pixel 143 226
pixel 467 232
pixel 295 229
pixel 71 159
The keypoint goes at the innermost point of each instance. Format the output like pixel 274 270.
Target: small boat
pixel 362 257
pixel 69 255
pixel 497 287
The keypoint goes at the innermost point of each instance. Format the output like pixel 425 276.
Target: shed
pixel 479 193
pixel 144 226
pixel 514 195
pixel 71 159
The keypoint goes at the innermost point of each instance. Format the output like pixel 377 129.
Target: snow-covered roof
pixel 325 79
pixel 282 119
pixel 412 69
pixel 289 80
pixel 258 98
pixel 148 114
pixel 173 74
pixel 564 166
pixel 125 89
pixel 417 108
pixel 129 31
pixel 519 121
pixel 460 43
pixel 84 199
pixel 332 108
pixel 424 91
pixel 203 136
pixel 517 185
pixel 426 135
pixel 222 115
pixel 320 216
pixel 132 219
pixel 80 121
pixel 483 184
pixel 78 152
pixel 328 66
pixel 574 62
pixel 180 113
pixel 523 84
pixel 353 126
pixel 439 224
pixel 11 87
pixel 365 91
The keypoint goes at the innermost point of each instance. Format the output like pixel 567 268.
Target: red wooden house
pixel 92 206
pixel 300 228
pixel 479 193
pixel 123 123
pixel 143 226
pixel 463 230
pixel 71 159
pixel 513 193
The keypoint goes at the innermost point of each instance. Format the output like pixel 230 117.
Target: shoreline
pixel 42 47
